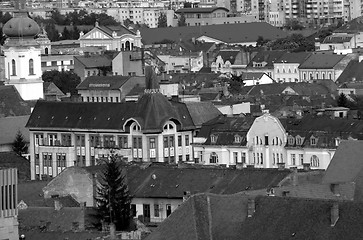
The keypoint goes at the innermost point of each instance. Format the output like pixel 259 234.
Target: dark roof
pixel 202 112
pixel 353 71
pixel 341 38
pixel 229 33
pixel 103 82
pixel 171 181
pixel 49 88
pixel 95 61
pixel 252 75
pixel 200 10
pixel 10 126
pixel 347 164
pixel 225 129
pixel 297 57
pixel 31 193
pixel 269 56
pixel 208 216
pixel 228 55
pixel 321 60
pixel 151 111
pixel 13 160
pixel 119 29
pixel 353 26
pixel 11 102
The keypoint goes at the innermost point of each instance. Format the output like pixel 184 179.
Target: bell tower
pixel 23 55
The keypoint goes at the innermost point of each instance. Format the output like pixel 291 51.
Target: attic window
pixel 291 140
pixel 136 128
pixel 213 138
pixel 313 141
pixel 237 138
pixel 298 140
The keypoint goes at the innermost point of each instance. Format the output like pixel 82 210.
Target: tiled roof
pixel 119 29
pixel 171 181
pixel 31 193
pixel 353 26
pixel 197 46
pixel 95 61
pixel 353 71
pixel 13 160
pixel 136 90
pixel 346 165
pixel 208 216
pixel 103 82
pixel 355 85
pixel 202 112
pixel 321 60
pixel 229 33
pixel 200 10
pixel 151 111
pixel 296 57
pixel 269 57
pixel 338 38
pixel 10 126
pixel 252 75
pixel 11 102
pixel 228 55
pixel 49 88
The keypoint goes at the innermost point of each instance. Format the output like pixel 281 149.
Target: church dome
pixel 21 26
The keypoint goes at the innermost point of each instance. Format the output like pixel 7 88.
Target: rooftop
pixel 11 102
pixel 103 82
pixel 321 61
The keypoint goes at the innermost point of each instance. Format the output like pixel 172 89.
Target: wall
pixel 286 72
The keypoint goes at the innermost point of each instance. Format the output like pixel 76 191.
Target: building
pixel 286 68
pixel 107 88
pixel 256 78
pixel 128 63
pixel 229 61
pixel 212 15
pixel 23 56
pixel 341 41
pixel 85 66
pixel 153 200
pixel 9 199
pixel 115 38
pixel 58 62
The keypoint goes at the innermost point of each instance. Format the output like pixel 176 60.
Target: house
pixel 107 88
pixel 264 61
pixel 322 66
pixel 117 38
pixel 286 68
pixel 210 216
pixel 212 15
pixel 220 33
pixel 128 63
pixel 352 73
pixel 181 62
pixel 340 41
pixel 256 78
pixel 59 62
pixel 52 92
pixel 9 198
pixel 351 88
pixel 335 112
pixel 153 200
pixel 85 66
pixel 228 61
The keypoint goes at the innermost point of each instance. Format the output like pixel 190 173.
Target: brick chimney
pixel 334 214
pixel 251 207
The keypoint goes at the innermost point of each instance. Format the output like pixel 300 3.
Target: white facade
pixel 286 72
pixel 23 70
pixel 264 79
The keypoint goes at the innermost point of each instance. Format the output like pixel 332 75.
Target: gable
pixel 290 91
pixel 209 39
pixel 96 33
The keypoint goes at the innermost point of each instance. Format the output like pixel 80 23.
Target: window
pixel 66 140
pixel 137 148
pixel 133 210
pixel 261 162
pixel 237 139
pixel 213 158
pixel 235 157
pixel 314 161
pixel 186 140
pixel 301 159
pixel 13 67
pixel 31 67
pixel 61 160
pixel 243 157
pixel 39 140
pixel 298 141
pixel 266 140
pixel 254 158
pixel 179 141
pixel 95 141
pixel 291 140
pixel 122 142
pixel 108 141
pixel 273 159
pixel 156 210
pixel 213 138
pixel 293 159
pixel 36 159
pixel 52 140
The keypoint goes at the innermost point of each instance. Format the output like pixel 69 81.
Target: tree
pixel 113 196
pixel 65 34
pixel 19 145
pixel 162 21
pixel 235 83
pixel 342 100
pixel 294 43
pixel 66 81
pixel 52 32
pixel 261 41
pixel 181 20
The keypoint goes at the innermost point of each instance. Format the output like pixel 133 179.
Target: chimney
pixel 251 208
pixel 334 214
pixel 281 166
pixel 186 195
pixel 306 166
pixel 57 205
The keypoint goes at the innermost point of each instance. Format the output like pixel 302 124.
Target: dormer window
pixel 213 138
pixel 298 141
pixel 291 140
pixel 237 138
pixel 313 141
pixel 136 128
pixel 337 142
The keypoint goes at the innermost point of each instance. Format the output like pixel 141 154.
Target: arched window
pixel 13 67
pixel 314 161
pixel 46 51
pixel 31 67
pixel 127 45
pixel 213 158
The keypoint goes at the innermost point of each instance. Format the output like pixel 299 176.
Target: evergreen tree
pixel 65 34
pixel 181 20
pixel 113 196
pixel 342 100
pixel 19 144
pixel 162 21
